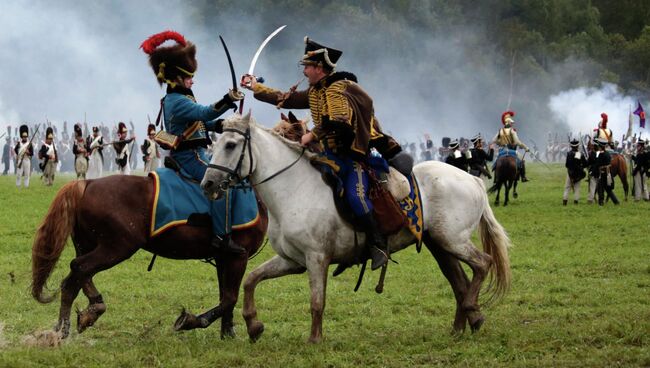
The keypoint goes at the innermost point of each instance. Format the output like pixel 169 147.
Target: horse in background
pixel 109 220
pixel 307 233
pixel 505 175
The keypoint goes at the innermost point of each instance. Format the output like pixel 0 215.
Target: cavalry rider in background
pixel 123 149
pixel 24 151
pixel 603 132
pixel 49 156
pixel 575 165
pixel 456 157
pixel 80 151
pixel 640 172
pixel 346 126
pixel 478 158
pixel 150 150
pixel 508 141
pixel 185 120
pixel 95 144
pixel 599 169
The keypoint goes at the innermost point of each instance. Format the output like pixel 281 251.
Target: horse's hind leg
pixel 496 199
pixel 96 307
pixel 453 271
pixel 514 190
pixel 508 184
pixel 275 267
pixel 626 187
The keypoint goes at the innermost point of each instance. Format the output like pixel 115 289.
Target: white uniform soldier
pixel 123 150
pixel 80 151
pixel 641 166
pixel 50 158
pixel 24 153
pixel 150 150
pixel 96 157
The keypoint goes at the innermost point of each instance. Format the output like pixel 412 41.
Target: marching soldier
pixel 24 151
pixel 640 172
pixel 478 158
pixel 150 150
pixel 599 163
pixel 123 149
pixel 95 144
pixel 186 121
pixel 508 141
pixel 575 165
pixel 346 126
pixel 49 156
pixel 80 151
pixel 456 157
pixel 6 155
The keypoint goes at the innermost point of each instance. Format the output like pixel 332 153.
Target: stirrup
pixel 379 258
pixel 226 245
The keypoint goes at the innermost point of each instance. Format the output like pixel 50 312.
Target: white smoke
pixel 580 109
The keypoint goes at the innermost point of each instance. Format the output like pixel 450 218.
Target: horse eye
pixel 230 145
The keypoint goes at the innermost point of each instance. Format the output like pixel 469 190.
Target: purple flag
pixel 639 111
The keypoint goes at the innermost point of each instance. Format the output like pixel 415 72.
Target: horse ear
pixel 247 117
pixel 284 117
pixel 292 118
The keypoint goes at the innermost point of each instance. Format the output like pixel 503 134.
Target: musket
pixel 22 155
pixel 3 134
pixel 232 72
pixel 116 142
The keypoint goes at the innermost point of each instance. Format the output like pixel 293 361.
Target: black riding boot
pixel 227 245
pixel 523 172
pixel 375 241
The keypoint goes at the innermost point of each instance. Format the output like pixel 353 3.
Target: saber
pixel 232 71
pixel 251 69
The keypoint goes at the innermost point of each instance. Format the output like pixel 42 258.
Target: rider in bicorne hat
pixel 186 122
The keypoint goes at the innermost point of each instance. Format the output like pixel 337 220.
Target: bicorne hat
pixel 317 54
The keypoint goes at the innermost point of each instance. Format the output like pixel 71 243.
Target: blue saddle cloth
pixel 175 199
pixel 506 152
pixel 412 208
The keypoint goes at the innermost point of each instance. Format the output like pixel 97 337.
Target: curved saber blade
pixel 232 68
pixel 259 50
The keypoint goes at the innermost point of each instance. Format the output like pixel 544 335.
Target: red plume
pixel 604 116
pixel 503 116
pixel 151 43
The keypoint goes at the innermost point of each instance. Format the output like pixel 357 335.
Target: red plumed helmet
pixel 603 122
pixel 506 115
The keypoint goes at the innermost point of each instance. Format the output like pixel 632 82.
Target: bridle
pixel 236 172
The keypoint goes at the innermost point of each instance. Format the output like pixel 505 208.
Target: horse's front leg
pixel 317 264
pixel 275 267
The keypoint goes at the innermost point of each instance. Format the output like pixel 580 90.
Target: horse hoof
pixel 476 324
pixel 187 321
pixel 228 333
pixel 89 316
pixel 255 330
pixel 314 340
pixel 515 195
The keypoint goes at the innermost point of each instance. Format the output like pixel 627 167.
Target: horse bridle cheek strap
pixel 235 173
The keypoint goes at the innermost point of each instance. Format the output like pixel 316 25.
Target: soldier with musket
pixel 456 157
pixel 80 151
pixel 575 165
pixel 95 144
pixel 150 150
pixel 186 122
pixel 478 158
pixel 346 126
pixel 24 151
pixel 640 172
pixel 123 149
pixel 49 156
pixel 599 170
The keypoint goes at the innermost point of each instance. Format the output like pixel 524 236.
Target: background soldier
pixel 123 149
pixel 479 158
pixel 49 156
pixel 457 158
pixel 80 151
pixel 150 150
pixel 96 156
pixel 575 165
pixel 599 161
pixel 640 172
pixel 6 155
pixel 24 151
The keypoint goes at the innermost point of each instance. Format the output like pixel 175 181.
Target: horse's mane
pixel 286 132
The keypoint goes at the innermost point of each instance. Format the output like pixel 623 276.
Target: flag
pixel 639 111
pixel 628 134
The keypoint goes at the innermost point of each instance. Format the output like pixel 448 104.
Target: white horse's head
pixel 232 156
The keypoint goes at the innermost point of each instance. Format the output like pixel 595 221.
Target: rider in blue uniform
pixel 186 121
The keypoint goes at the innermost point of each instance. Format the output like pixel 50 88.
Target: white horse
pixel 307 233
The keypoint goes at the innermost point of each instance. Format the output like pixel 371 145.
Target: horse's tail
pixel 495 243
pixel 52 235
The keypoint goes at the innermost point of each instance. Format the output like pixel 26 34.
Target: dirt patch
pixel 47 338
pixel 3 342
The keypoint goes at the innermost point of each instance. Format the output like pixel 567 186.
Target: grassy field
pixel 580 297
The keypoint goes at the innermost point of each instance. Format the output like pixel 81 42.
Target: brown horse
pixel 109 220
pixel 505 174
pixel 618 167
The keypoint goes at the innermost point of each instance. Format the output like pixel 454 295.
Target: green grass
pixel 580 297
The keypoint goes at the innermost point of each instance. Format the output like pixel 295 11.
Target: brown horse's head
pixel 290 127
